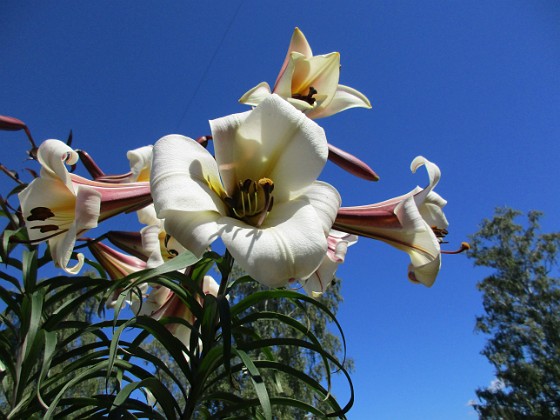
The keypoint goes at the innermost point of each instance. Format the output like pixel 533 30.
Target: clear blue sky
pixel 473 86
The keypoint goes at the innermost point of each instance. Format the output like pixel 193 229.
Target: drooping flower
pixel 58 206
pixel 309 82
pixel 414 223
pixel 338 242
pixel 163 302
pixel 118 265
pixel 259 194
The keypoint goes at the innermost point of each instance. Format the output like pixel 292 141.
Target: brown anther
pixel 46 228
pixel 440 233
pixel 40 213
pixel 307 98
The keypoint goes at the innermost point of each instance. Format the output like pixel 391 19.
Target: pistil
pixel 252 201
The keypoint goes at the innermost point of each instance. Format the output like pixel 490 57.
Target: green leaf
pixel 258 382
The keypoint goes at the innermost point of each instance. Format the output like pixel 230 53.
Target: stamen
pixel 46 228
pixel 464 247
pixel 307 98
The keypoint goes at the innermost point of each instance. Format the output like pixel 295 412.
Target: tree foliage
pixel 521 300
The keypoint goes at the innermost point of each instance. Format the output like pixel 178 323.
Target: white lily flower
pixel 140 168
pixel 309 82
pixel 414 223
pixel 338 242
pixel 260 194
pixel 59 206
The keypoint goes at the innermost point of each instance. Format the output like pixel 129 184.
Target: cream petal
pixel 320 72
pixel 193 230
pixel 184 177
pixel 61 248
pixel 425 274
pixel 300 105
pixel 289 245
pixel 140 163
pixel 256 95
pixel 283 84
pixel 48 207
pixel 344 98
pixel 273 141
pixel 53 155
pixel 157 298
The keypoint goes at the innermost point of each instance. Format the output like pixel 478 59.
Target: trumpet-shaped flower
pixel 338 242
pixel 309 82
pixel 259 194
pixel 59 206
pixel 117 265
pixel 163 302
pixel 414 223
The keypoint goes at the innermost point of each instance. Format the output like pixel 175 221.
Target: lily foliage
pixel 257 190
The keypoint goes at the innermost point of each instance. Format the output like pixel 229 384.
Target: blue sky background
pixel 472 86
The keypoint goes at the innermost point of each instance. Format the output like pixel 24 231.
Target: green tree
pixel 521 301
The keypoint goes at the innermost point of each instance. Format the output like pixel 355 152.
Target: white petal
pixel 193 230
pixel 291 243
pixel 344 98
pixel 209 286
pixel 273 141
pixel 140 163
pixel 147 216
pixel 326 201
pixel 184 177
pixel 256 95
pixel 151 244
pixel 53 155
pixel 320 280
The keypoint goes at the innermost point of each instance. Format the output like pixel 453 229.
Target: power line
pixel 203 78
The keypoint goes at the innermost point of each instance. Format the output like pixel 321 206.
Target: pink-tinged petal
pixel 130 242
pixel 338 243
pixel 88 203
pixel 116 264
pixel 289 245
pixel 256 95
pixel 344 98
pixel 273 141
pixel 298 44
pixel 283 85
pixel 193 230
pixel 54 155
pixel 185 178
pixel 351 164
pixel 140 163
pixel 156 302
pixel 326 201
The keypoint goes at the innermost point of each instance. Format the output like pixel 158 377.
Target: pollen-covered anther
pixel 440 233
pixel 252 201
